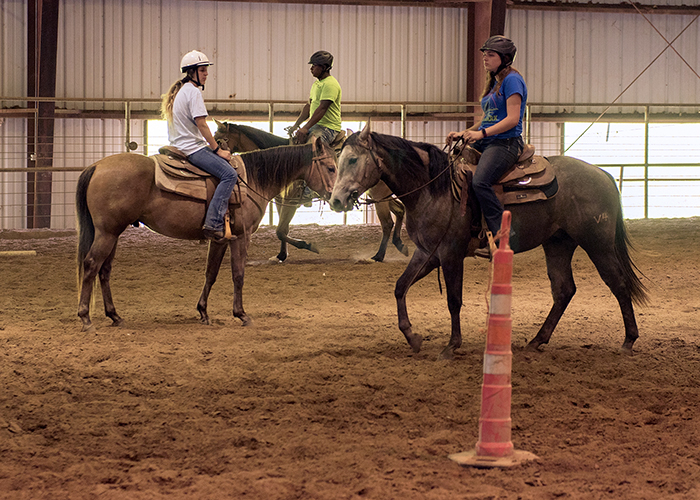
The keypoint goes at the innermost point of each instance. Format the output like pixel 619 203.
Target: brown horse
pixel 120 190
pixel 242 138
pixel 586 212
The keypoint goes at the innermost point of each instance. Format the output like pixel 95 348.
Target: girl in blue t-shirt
pixel 498 136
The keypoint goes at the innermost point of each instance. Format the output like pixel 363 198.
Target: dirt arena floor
pixel 322 398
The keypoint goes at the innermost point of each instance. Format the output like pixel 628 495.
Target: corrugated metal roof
pixel 657 3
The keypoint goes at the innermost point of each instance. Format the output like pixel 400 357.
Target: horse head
pixel 242 138
pixel 358 170
pixel 322 175
pixel 223 137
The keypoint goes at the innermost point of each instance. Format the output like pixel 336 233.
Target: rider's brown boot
pixel 214 235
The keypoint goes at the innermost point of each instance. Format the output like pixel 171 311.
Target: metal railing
pixel 82 136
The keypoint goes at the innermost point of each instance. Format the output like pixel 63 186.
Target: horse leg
pixel 286 211
pixel 102 247
pixel 105 274
pixel 398 209
pixel 239 253
pixel 558 251
pixel 387 222
pixel 453 271
pixel 418 267
pixel 610 271
pixel 215 255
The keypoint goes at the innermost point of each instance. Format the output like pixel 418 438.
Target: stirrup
pixel 487 251
pixel 228 235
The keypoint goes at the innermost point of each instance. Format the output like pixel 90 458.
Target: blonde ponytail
pixel 166 105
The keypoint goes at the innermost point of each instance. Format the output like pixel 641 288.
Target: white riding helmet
pixel 193 59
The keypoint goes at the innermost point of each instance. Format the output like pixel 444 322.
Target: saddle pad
pixel 172 176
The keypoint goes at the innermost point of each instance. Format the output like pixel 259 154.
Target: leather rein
pixel 379 163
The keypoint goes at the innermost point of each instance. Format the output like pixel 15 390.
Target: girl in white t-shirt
pixel 183 108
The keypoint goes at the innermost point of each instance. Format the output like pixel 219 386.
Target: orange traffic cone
pixel 494 448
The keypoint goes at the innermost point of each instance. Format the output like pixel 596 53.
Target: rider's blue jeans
pixel 326 134
pixel 497 156
pixel 215 165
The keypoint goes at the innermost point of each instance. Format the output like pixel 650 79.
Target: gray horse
pixel 586 212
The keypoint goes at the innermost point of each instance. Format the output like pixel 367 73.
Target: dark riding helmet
pixel 503 46
pixel 322 58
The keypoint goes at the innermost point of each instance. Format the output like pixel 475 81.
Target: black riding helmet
pixel 322 58
pixel 504 47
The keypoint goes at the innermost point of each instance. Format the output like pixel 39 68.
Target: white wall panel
pixel 13 49
pixel 132 49
pixel 588 57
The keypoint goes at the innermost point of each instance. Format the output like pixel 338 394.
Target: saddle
pixel 530 179
pixel 338 142
pixel 176 175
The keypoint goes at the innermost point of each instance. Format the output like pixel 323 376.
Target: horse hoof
pixel 448 354
pixel 532 347
pixel 626 350
pixel 246 321
pixel 89 329
pixel 403 250
pixel 415 342
pixel 313 248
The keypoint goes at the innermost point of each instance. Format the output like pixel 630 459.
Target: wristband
pixel 217 149
pixel 483 132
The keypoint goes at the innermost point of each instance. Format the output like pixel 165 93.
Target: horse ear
pixel 219 124
pixel 364 135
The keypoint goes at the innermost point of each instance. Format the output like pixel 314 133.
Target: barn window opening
pixel 661 173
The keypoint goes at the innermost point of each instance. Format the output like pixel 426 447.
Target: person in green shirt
pixel 322 112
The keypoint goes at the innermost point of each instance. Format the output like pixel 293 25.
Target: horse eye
pixel 352 161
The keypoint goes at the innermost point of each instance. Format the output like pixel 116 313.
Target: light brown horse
pixel 242 138
pixel 120 190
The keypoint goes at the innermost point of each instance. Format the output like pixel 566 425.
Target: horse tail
pixel 638 292
pixel 86 228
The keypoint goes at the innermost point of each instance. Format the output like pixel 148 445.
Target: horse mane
pixel 262 139
pixel 402 154
pixel 276 166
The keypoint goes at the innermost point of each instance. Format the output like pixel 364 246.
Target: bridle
pixel 379 164
pixel 317 165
